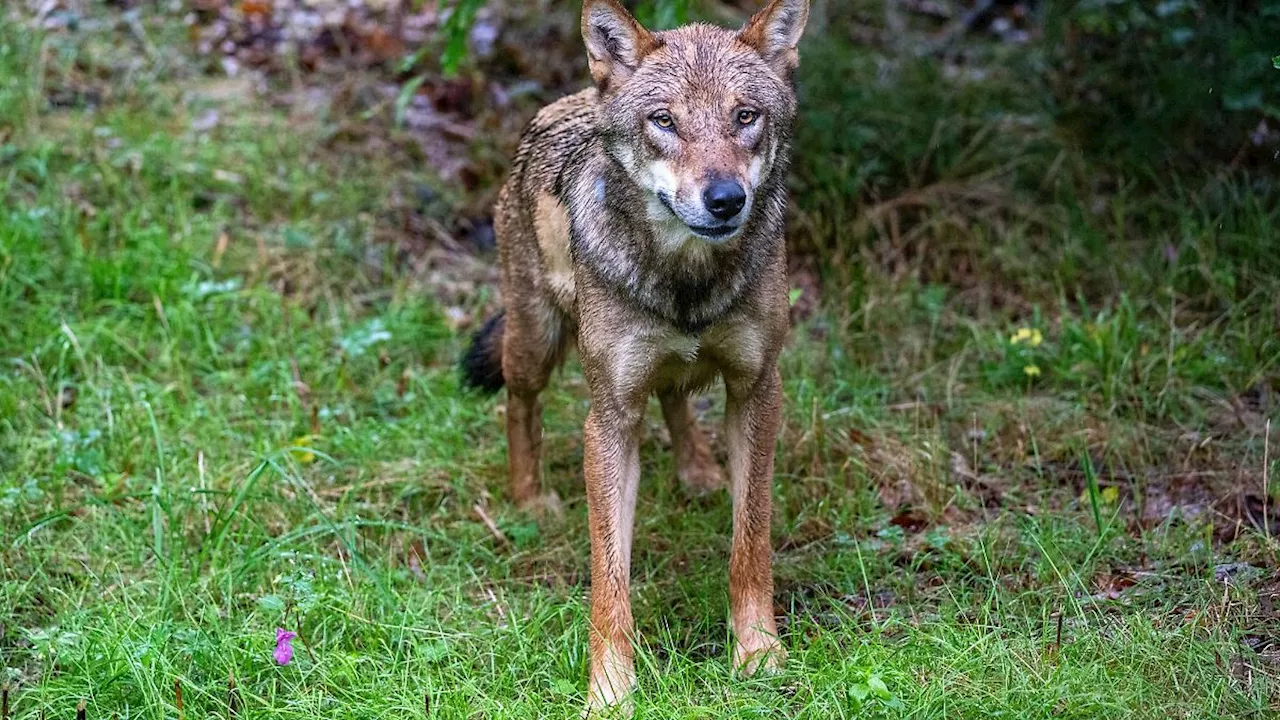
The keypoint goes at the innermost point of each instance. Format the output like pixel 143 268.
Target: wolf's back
pixel 557 134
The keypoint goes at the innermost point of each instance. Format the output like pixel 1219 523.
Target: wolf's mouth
pixel 708 232
pixel 714 233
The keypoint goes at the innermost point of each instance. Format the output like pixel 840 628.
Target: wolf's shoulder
pixel 558 134
pixel 580 107
pixel 569 119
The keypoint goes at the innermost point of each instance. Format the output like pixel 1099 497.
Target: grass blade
pixel 1091 485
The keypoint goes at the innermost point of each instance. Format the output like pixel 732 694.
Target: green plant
pixel 1180 84
pixel 224 409
pixel 462 15
pixel 663 14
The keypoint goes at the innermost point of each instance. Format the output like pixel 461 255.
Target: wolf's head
pixel 699 116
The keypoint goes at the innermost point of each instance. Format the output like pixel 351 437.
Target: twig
pixel 306 645
pixel 299 386
pixel 426 704
pixel 1266 477
pixel 974 436
pixel 1052 652
pixel 177 696
pixel 36 374
pixel 488 522
pixel 497 604
pixel 80 712
pixel 302 389
pixel 233 703
pixel 220 249
pixel 904 406
pixel 159 306
pixel 4 702
pixel 204 497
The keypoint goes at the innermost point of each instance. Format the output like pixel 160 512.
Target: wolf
pixel 642 223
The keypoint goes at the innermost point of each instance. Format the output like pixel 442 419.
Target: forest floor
pixel 1024 469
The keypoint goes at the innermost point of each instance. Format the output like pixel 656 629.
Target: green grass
pixel 227 406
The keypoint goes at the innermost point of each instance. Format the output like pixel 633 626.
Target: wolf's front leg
pixel 611 464
pixel 752 417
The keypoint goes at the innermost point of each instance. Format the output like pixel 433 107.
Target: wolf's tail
pixel 482 365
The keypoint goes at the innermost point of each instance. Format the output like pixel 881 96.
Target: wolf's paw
pixel 546 506
pixel 611 687
pixel 611 700
pixel 702 477
pixel 762 655
pixel 623 709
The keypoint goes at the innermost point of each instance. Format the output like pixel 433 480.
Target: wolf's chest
pixel 682 361
pixel 693 361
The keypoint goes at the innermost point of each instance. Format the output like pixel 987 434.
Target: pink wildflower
pixel 284 646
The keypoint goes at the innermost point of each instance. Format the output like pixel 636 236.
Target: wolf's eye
pixel 663 120
pixel 747 117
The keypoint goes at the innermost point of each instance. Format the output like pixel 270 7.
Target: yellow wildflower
pixel 300 449
pixel 1107 496
pixel 1031 336
pixel 1032 370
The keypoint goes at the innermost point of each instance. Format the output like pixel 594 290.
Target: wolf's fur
pixel 616 232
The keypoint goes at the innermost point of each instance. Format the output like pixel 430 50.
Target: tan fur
pixel 551 225
pixel 608 239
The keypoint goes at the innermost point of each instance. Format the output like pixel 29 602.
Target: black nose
pixel 724 199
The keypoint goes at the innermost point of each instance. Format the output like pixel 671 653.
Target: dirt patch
pixel 385 61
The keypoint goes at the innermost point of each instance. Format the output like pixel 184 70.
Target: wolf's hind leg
pixel 531 350
pixel 696 467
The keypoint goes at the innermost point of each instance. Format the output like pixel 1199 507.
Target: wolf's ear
pixel 616 42
pixel 775 32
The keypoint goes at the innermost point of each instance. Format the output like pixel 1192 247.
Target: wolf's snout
pixel 724 199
